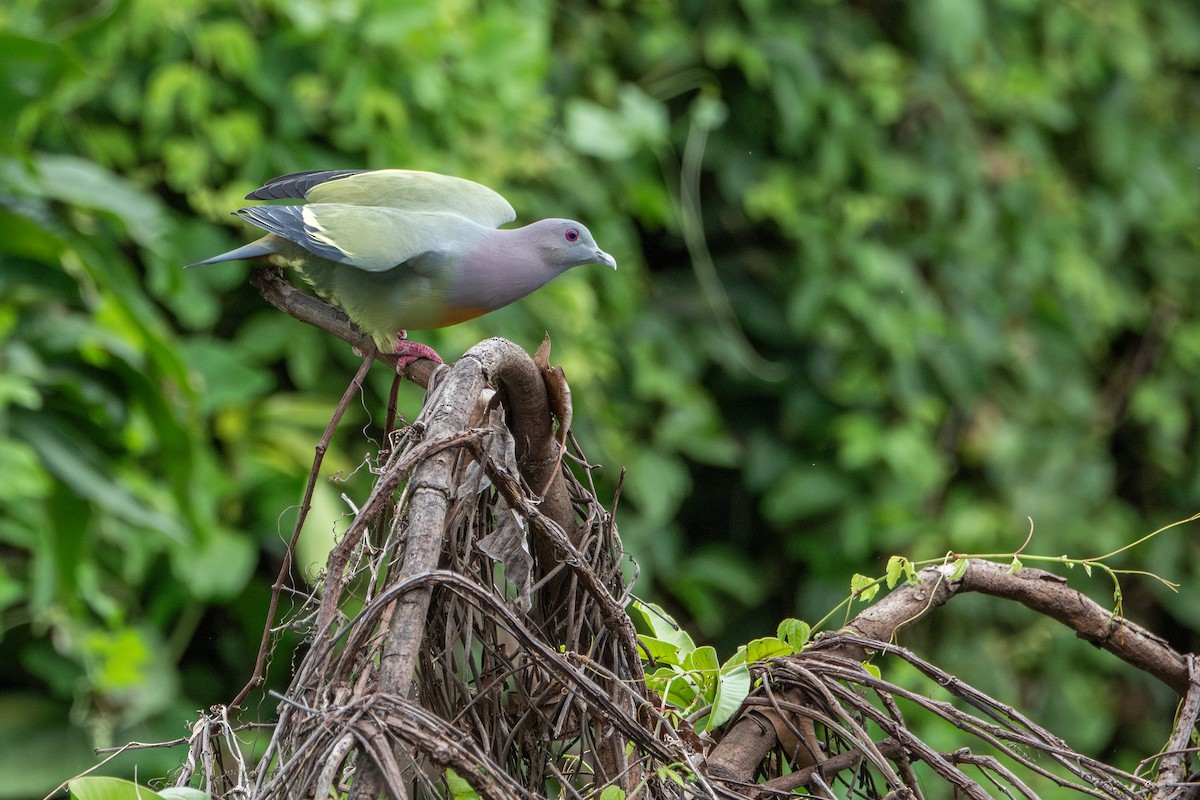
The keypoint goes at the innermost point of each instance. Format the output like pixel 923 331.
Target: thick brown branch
pixel 522 390
pixel 744 747
pixel 1048 594
pixel 427 508
pixel 1045 593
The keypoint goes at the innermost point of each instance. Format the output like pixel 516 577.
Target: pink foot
pixel 407 352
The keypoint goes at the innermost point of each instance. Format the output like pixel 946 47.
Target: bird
pixel 401 249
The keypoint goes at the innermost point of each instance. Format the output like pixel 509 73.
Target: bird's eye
pixel 572 234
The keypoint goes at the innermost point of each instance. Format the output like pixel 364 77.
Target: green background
pixel 894 278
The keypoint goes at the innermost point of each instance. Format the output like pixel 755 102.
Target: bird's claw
pixel 407 352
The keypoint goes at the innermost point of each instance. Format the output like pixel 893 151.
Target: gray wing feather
pixel 288 222
pixel 253 250
pixel 295 185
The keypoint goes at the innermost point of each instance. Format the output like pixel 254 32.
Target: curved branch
pixel 1045 593
pixel 748 742
pixel 522 390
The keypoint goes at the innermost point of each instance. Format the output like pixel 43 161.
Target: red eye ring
pixel 572 235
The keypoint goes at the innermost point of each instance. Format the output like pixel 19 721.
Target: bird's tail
pixel 252 250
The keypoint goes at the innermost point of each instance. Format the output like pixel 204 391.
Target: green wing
pixel 418 192
pixel 369 238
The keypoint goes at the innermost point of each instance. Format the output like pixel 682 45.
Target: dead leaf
pixel 556 388
pixel 508 545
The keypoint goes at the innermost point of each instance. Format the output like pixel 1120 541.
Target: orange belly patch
pixel 453 316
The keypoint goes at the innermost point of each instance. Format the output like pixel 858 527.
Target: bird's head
pixel 568 243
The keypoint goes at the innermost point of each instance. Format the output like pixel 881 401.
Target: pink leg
pixel 407 352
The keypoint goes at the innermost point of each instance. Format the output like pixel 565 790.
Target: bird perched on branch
pixel 400 249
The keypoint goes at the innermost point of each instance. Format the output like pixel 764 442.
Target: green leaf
pixel 864 587
pixel 732 689
pixel 458 786
pixel 795 632
pixel 738 658
pixel 874 671
pixel 22 235
pixel 84 184
pixel 895 568
pixel 25 479
pixel 804 491
pixel 184 793
pixel 960 568
pixel 19 390
pixel 122 659
pixel 218 565
pixel 668 772
pixel 653 620
pixel 108 789
pixel 766 647
pixel 657 651
pixel 659 679
pixel 639 122
pixel 681 692
pixel 29 70
pixel 612 793
pixel 69 456
pixel 704 664
pixel 224 376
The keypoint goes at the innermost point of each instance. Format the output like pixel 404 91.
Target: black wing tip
pixel 295 185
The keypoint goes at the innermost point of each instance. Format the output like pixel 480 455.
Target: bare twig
pixel 260 663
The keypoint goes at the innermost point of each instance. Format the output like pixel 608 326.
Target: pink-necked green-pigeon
pixel 403 249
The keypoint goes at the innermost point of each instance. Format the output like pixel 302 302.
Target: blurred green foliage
pixel 895 277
